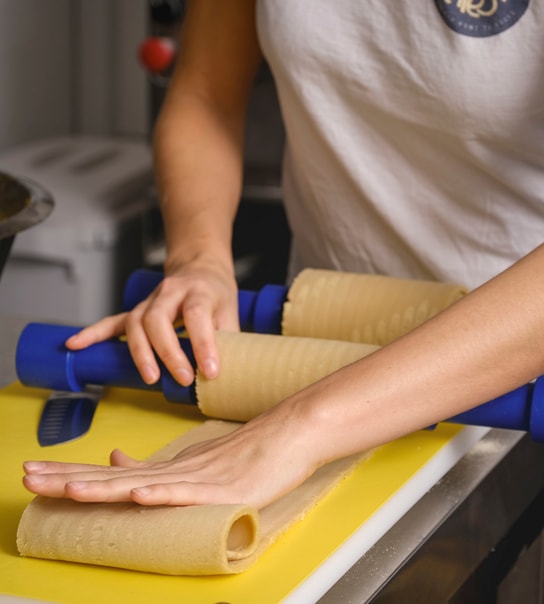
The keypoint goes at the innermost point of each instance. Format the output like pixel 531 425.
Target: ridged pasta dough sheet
pixel 374 309
pixel 259 370
pixel 194 540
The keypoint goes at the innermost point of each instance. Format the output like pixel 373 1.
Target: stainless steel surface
pixel 441 543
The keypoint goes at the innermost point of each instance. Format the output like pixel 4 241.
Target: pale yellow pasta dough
pixel 194 540
pixel 258 371
pixel 361 308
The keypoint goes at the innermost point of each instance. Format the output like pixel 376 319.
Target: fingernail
pixel 35 479
pixel 73 340
pixel 34 466
pixel 150 374
pixel 210 368
pixel 184 376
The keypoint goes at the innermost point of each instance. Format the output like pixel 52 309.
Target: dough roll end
pixel 192 540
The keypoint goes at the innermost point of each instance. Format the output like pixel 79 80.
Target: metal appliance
pixel 78 260
pixel 22 205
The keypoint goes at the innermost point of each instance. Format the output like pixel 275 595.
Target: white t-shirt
pixel 415 133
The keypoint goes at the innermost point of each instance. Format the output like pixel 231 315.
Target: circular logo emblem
pixel 481 18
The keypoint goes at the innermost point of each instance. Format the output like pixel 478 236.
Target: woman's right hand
pixel 202 296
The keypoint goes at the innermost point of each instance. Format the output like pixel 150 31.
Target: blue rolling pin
pixel 43 361
pixel 259 311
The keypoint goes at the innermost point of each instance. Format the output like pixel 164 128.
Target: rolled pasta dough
pixel 192 540
pixel 374 309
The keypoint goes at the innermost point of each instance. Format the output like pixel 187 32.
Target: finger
pixel 56 467
pixel 114 489
pixel 54 485
pixel 140 347
pixel 158 324
pixel 120 459
pixel 182 493
pixel 45 484
pixel 104 329
pixel 96 484
pixel 103 491
pixel 200 327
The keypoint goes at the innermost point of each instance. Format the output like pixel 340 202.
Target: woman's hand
pixel 255 464
pixel 202 296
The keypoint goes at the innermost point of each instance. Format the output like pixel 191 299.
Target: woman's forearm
pixel 199 135
pixel 199 173
pixel 487 344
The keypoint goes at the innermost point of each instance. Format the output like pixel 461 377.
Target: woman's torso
pixel 415 132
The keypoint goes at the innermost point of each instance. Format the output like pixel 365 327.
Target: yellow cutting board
pixel 304 562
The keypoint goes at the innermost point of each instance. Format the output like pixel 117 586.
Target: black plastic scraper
pixel 67 416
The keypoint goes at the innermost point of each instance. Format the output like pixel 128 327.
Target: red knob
pixel 157 54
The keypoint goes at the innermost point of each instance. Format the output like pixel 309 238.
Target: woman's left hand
pixel 255 465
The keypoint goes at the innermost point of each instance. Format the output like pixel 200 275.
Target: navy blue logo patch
pixel 481 18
